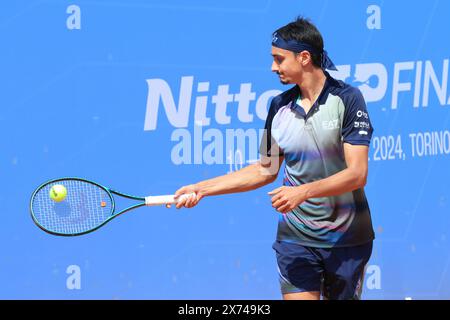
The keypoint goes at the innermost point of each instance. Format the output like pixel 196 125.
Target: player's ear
pixel 304 57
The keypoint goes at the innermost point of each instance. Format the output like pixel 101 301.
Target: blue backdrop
pixel 145 96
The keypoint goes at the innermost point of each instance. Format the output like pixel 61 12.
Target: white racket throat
pixel 165 200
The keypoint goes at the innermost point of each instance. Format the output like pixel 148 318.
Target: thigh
pixel 299 270
pixel 344 271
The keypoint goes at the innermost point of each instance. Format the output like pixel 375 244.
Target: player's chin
pixel 284 81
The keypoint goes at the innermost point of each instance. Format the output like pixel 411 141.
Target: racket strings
pixel 85 207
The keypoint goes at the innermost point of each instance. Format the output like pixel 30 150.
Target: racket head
pixel 86 207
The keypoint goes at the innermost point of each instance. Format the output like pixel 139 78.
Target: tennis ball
pixel 58 192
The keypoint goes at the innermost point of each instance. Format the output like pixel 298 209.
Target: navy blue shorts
pixel 337 273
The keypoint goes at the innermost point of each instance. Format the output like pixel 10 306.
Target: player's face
pixel 287 65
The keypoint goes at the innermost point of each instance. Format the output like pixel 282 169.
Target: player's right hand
pixel 188 202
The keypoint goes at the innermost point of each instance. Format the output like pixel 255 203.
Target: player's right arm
pixel 256 175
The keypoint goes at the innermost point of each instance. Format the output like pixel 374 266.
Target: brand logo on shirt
pixel 361 113
pixel 330 124
pixel 362 125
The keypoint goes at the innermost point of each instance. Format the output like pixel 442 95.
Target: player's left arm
pixel 351 178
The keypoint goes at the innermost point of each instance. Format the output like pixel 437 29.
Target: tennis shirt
pixel 312 145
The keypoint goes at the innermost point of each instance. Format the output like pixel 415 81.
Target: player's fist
pixel 191 201
pixel 286 198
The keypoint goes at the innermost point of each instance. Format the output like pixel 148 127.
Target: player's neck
pixel 312 84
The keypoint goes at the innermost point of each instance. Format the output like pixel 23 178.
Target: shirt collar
pixel 321 99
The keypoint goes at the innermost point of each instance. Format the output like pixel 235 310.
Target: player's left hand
pixel 285 198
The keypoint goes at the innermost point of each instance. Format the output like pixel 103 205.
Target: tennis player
pixel 321 129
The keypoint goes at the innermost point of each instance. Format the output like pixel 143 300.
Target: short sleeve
pixel 356 128
pixel 268 146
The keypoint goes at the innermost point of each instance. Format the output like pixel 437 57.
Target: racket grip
pixel 162 200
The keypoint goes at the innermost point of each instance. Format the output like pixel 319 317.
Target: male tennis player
pixel 321 129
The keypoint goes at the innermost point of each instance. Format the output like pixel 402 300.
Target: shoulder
pixel 283 99
pixel 349 94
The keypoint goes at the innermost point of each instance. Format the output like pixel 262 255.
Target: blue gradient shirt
pixel 312 145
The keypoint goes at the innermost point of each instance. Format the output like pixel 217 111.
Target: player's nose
pixel 274 67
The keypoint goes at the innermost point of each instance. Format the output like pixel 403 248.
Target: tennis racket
pixel 86 207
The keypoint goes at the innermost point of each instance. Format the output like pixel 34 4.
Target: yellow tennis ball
pixel 58 192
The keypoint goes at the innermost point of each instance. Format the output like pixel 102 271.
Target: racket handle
pixel 165 200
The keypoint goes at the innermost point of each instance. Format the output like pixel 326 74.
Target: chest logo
pixel 330 124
